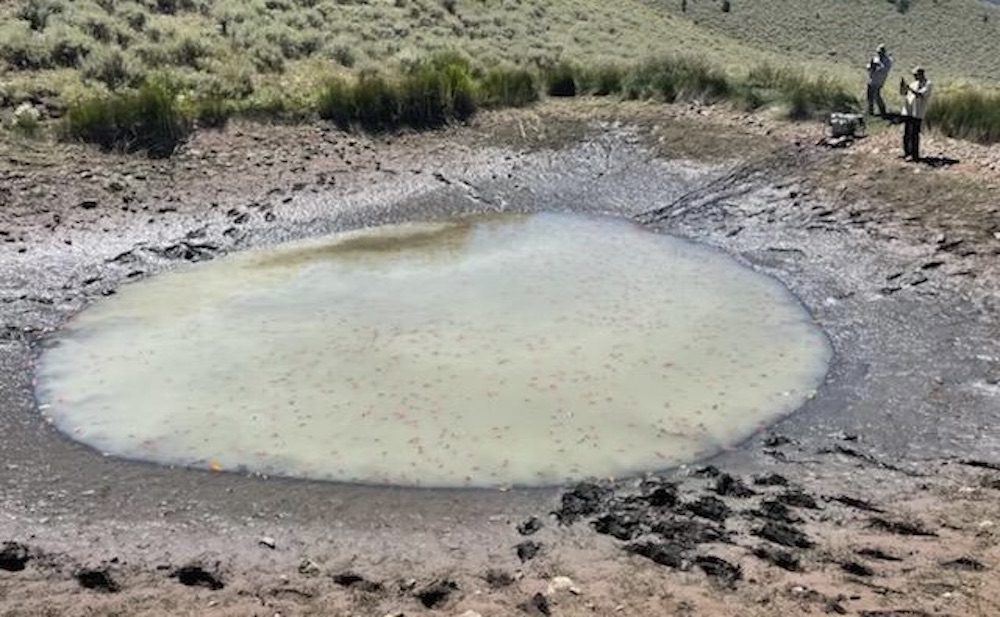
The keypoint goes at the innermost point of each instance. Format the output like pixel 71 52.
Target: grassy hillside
pixel 59 48
pixel 954 39
pixel 212 58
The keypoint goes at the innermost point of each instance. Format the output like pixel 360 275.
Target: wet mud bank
pixel 908 403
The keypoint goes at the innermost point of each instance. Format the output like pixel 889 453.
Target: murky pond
pixel 488 351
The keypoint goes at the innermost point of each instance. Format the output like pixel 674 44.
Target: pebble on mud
pixel 560 584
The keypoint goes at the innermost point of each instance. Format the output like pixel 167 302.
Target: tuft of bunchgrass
pixel 149 119
pixel 967 112
pixel 603 80
pixel 428 94
pixel 676 78
pixel 508 87
pixel 803 97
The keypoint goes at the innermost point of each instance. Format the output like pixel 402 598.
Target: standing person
pixel 918 96
pixel 878 71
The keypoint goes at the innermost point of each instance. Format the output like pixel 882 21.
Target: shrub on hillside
pixel 967 113
pixel 149 118
pixel 111 67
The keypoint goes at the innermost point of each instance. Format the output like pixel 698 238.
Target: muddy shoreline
pixel 912 390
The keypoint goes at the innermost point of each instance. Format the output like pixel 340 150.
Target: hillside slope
pixel 60 45
pixel 955 39
pixel 56 50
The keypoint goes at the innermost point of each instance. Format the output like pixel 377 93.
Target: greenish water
pixel 491 351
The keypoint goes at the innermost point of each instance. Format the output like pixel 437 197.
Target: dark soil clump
pixel 900 528
pixel 583 500
pixel 858 504
pixel 785 535
pixel 688 533
pixel 537 605
pixel 779 558
pixel 356 581
pixel 709 507
pixel 771 479
pixel 664 496
pixel 196 576
pixel 97 580
pixel 856 568
pixel 798 499
pixel 618 526
pixel 964 564
pixel 498 579
pixel 670 555
pixel 530 527
pixel 776 511
pixel 436 594
pixel 526 551
pixel 719 569
pixel 728 486
pixel 877 553
pixel 14 557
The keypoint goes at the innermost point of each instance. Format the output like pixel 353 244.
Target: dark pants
pixel 875 99
pixel 911 137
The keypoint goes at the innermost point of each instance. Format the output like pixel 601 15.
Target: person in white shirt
pixel 878 71
pixel 918 97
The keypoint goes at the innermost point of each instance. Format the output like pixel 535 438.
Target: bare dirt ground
pixel 881 497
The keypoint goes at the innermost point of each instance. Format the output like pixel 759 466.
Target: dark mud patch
pixel 531 526
pixel 99 580
pixel 526 551
pixel 877 554
pixel 195 575
pixel 537 605
pixel 498 579
pixel 965 564
pixel 785 535
pixel 779 558
pixel 902 528
pixel 719 570
pixel 670 555
pixel 14 557
pixel 355 581
pixel 437 594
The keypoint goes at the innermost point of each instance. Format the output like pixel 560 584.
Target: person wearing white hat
pixel 878 71
pixel 918 97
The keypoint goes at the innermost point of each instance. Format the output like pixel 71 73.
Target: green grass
pixel 803 96
pixel 675 78
pixel 148 119
pixel 954 39
pixel 967 113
